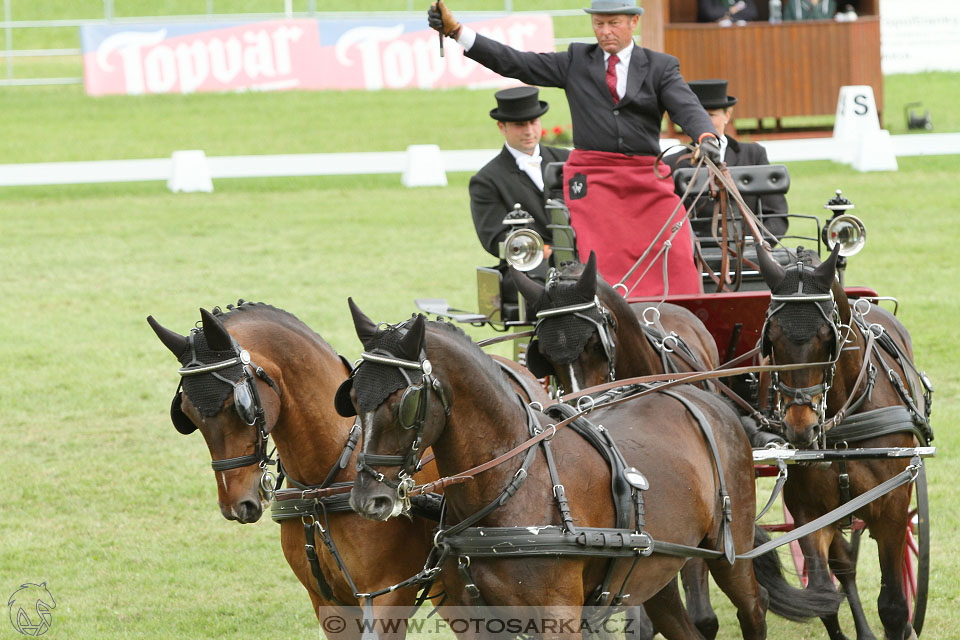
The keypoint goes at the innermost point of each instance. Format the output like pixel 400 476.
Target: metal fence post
pixel 209 7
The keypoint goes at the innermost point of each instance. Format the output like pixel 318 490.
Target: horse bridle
pixel 412 414
pixel 602 326
pixel 246 402
pixel 803 396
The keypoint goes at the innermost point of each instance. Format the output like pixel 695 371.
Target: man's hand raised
pixel 440 19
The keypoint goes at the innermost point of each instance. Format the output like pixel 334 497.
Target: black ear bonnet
pixel 564 337
pixel 800 321
pixel 208 392
pixel 372 382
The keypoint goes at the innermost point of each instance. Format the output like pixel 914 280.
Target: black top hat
pixel 712 94
pixel 614 6
pixel 518 104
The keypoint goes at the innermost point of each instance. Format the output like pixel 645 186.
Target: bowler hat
pixel 614 6
pixel 712 94
pixel 518 104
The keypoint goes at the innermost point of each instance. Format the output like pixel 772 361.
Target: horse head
pixel 234 403
pixel 575 332
pixel 402 407
pixel 802 326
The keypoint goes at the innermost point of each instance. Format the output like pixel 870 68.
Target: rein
pixel 668 380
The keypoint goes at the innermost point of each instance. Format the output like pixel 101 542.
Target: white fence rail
pixel 396 162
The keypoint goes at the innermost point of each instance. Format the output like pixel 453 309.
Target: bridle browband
pixel 255 415
pixel 410 462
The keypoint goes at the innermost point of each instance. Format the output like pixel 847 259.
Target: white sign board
pixel 920 35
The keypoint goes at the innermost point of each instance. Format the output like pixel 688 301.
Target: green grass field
pixel 117 512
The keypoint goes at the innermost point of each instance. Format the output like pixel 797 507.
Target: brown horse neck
pixel 308 432
pixel 486 420
pixel 635 356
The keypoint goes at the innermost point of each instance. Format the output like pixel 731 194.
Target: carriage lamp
pixel 844 228
pixel 523 247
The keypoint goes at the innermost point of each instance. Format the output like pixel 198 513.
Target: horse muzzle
pixel 246 511
pixel 376 502
pixel 801 426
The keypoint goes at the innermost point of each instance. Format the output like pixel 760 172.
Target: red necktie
pixel 612 77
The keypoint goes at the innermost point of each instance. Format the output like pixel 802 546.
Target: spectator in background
pixel 726 12
pixel 809 9
pixel 772 209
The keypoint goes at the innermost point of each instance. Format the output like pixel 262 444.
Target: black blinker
pixel 536 363
pixel 409 410
pixel 180 421
pixel 342 402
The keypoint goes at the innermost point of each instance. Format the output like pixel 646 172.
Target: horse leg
pixel 668 614
pixel 843 563
pixel 892 603
pixel 815 548
pixel 696 588
pixel 740 585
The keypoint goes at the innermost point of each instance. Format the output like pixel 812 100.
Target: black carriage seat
pixel 564 237
pixel 753 180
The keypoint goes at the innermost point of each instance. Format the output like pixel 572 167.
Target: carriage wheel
pixel 916 559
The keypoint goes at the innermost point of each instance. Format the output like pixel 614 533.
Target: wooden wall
pixel 774 70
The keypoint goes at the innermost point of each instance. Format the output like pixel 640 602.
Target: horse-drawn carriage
pixel 638 464
pixel 738 317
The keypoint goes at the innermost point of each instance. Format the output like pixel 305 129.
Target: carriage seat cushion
pixel 751 180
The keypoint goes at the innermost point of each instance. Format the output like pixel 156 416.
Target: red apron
pixel 619 208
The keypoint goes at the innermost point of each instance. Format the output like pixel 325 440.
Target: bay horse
pixel 300 374
pixel 875 399
pixel 427 384
pixel 588 334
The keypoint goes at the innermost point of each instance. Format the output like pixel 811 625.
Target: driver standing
pixel 617 92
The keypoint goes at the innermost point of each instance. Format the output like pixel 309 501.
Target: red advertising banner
pixel 293 54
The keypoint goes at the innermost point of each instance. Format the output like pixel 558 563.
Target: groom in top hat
pixel 617 93
pixel 772 209
pixel 515 176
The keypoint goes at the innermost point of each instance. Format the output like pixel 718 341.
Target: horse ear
pixel 215 333
pixel 532 291
pixel 536 363
pixel 170 339
pixel 773 274
pixel 365 327
pixel 826 271
pixel 587 284
pixel 412 343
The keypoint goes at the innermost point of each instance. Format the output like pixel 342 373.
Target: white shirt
pixel 622 66
pixel 529 164
pixel 723 146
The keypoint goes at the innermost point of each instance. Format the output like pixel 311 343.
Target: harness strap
pixel 313 558
pixel 777 487
pixel 726 537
